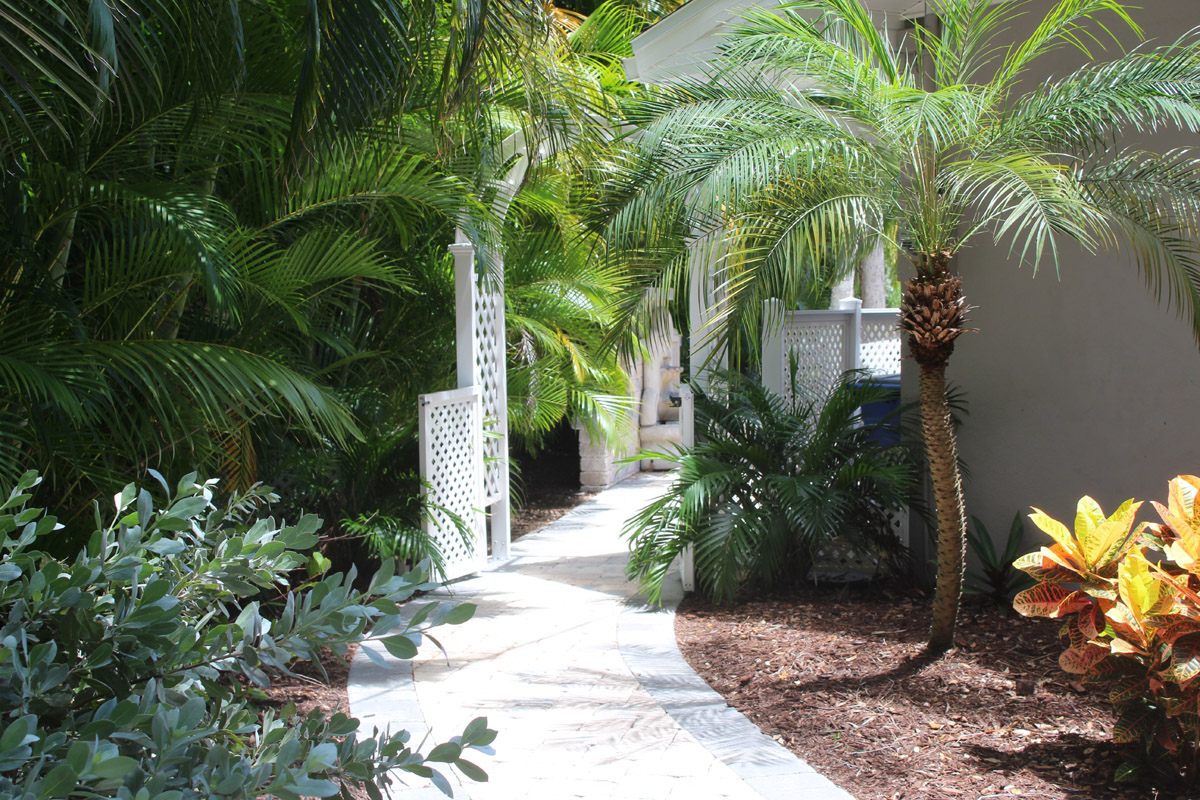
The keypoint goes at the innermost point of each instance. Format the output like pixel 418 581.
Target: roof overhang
pixel 680 44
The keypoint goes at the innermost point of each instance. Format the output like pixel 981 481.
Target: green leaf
pixel 113 767
pixel 167 547
pixel 58 783
pixel 400 646
pixel 459 614
pixel 445 752
pixel 19 732
pixel 471 770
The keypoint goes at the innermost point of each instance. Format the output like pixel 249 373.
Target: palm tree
pixel 814 132
pixel 223 230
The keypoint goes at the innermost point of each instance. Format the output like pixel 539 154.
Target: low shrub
pixel 997 579
pixel 767 485
pixel 125 671
pixel 1131 596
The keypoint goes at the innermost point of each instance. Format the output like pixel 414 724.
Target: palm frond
pixel 1142 92
pixel 1071 23
pixel 1152 204
pixel 1027 198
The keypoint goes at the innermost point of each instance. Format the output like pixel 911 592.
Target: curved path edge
pixel 646 637
pixel 385 696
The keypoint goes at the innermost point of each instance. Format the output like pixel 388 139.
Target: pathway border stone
pixel 640 636
pixel 646 636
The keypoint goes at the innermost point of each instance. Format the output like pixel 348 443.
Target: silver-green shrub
pixel 123 670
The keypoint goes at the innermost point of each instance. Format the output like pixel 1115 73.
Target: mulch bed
pixel 308 689
pixel 838 678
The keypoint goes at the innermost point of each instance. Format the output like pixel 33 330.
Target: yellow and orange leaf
pixel 1047 565
pixel 1139 591
pixel 1181 498
pixel 1110 538
pixel 1123 648
pixel 1126 625
pixel 1055 529
pixel 1088 515
pixel 1050 600
pixel 1080 660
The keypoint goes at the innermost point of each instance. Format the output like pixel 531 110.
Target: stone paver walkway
pixel 582 680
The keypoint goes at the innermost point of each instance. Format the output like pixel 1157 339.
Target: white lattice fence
pixel 880 341
pixel 818 346
pixel 452 467
pixel 817 349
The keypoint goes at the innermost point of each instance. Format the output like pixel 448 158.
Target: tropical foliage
pixel 815 132
pixel 768 484
pixel 1131 597
pixel 126 670
pixel 223 232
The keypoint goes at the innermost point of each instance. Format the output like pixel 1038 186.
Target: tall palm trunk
pixel 933 312
pixel 941 450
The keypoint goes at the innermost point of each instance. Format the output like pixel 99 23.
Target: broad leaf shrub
pixel 124 670
pixel 1130 595
pixel 767 485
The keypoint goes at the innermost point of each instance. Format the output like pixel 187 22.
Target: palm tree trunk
pixel 941 450
pixel 933 312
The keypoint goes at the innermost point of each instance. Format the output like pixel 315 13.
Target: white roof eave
pixel 680 44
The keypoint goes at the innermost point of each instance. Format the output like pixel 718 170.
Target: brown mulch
pixel 308 689
pixel 838 679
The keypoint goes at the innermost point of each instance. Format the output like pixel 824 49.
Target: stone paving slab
pixel 581 678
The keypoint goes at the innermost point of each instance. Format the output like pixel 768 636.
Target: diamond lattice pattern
pixel 489 366
pixel 453 464
pixel 841 557
pixel 880 342
pixel 816 349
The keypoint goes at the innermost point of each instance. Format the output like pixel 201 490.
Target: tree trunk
pixel 841 290
pixel 934 313
pixel 941 450
pixel 872 278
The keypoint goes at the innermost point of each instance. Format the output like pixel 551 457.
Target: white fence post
pixel 852 358
pixel 464 311
pixel 495 409
pixel 703 296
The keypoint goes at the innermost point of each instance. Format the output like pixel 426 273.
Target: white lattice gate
pixel 464 433
pixel 481 363
pixel 451 445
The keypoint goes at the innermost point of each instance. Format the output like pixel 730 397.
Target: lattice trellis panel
pixel 452 471
pixel 817 349
pixel 881 341
pixel 489 376
pixel 841 558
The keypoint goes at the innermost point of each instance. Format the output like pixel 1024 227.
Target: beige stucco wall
pixel 1079 383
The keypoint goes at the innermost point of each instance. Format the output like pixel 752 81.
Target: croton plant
pixel 1131 596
